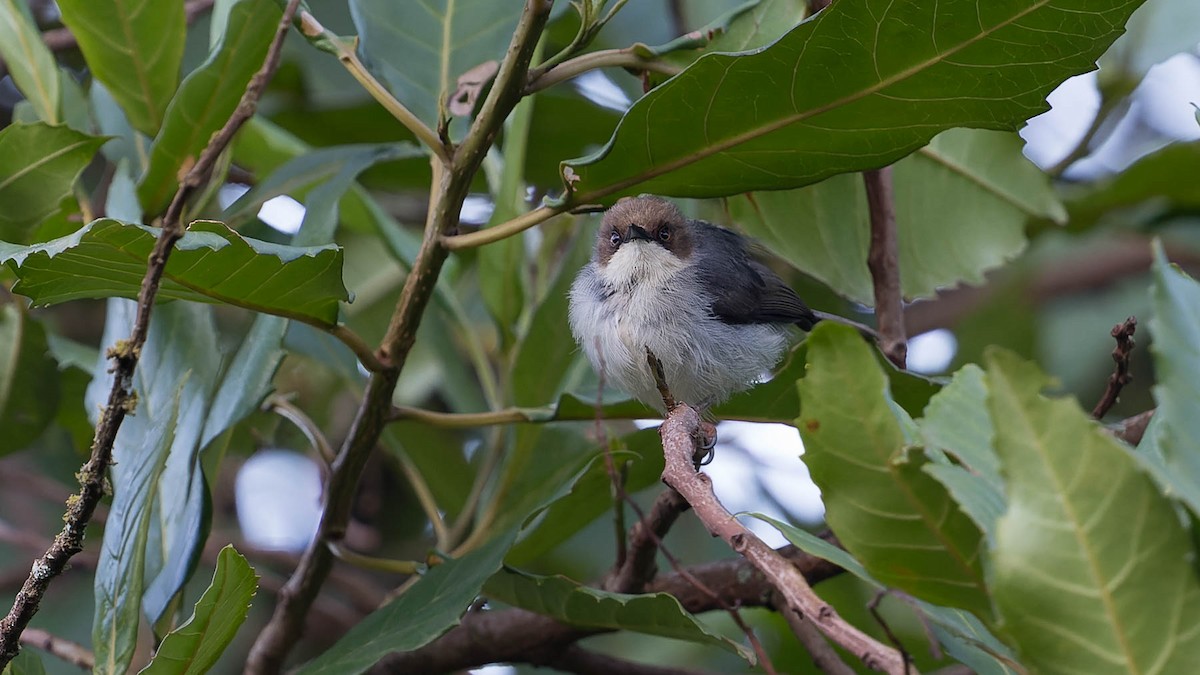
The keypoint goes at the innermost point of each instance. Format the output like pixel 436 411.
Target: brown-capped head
pixel 640 221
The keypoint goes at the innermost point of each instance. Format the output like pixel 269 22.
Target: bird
pixel 690 292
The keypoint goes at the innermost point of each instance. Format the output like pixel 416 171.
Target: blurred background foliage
pixel 1044 257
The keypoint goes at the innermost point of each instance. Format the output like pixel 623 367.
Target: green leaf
pixel 211 263
pixel 28 60
pixel 29 380
pixel 206 99
pixel 957 422
pixel 248 378
pixel 26 663
pixel 38 167
pixel 962 634
pixel 545 354
pixel 578 605
pixel 886 510
pixel 961 207
pixel 297 178
pixel 848 90
pixel 1175 326
pixel 425 611
pixel 502 267
pixel 1141 184
pixel 1092 568
pixel 1156 32
pixel 421 49
pixel 135 47
pixel 195 646
pixel 591 496
pixel 158 519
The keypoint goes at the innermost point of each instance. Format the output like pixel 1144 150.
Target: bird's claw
pixel 706 445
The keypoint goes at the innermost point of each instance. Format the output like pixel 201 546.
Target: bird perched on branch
pixel 689 291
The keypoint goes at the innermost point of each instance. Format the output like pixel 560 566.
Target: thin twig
pixel 678 433
pixel 71 652
pixel 615 478
pixel 638 568
pixel 368 562
pixel 627 58
pixel 884 262
pixel 425 498
pixel 1109 104
pixel 873 608
pixel 125 354
pixel 1123 334
pixel 348 57
pixel 281 406
pixel 366 355
pixel 449 188
pixel 503 230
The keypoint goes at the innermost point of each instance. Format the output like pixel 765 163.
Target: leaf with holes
pixel 211 263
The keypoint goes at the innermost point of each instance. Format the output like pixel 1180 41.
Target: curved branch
pixel 679 432
pixel 607 58
pixel 503 230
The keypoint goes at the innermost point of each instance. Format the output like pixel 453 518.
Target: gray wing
pixel 744 290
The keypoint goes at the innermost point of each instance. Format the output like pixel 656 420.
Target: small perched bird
pixel 689 291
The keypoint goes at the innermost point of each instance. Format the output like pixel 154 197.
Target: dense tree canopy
pixel 454 485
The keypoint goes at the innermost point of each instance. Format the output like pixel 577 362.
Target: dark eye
pixel 615 238
pixel 664 233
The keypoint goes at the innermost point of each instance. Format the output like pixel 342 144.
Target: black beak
pixel 637 232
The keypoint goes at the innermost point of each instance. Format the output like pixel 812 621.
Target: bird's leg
pixel 706 441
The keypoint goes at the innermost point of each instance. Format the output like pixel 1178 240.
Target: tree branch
pixel 450 185
pixel 71 652
pixel 1123 334
pixel 679 446
pixel 125 354
pixel 502 231
pixel 884 263
pixel 517 635
pixel 348 57
pixel 607 58
pixel 638 567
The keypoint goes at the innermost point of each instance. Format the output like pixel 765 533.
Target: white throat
pixel 641 262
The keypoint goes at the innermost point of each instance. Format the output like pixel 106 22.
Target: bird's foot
pixel 706 444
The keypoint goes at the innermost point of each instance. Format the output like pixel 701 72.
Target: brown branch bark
pixel 883 260
pixel 125 354
pixel 678 434
pixel 639 567
pixel 448 190
pixel 71 652
pixel 1123 334
pixel 517 636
